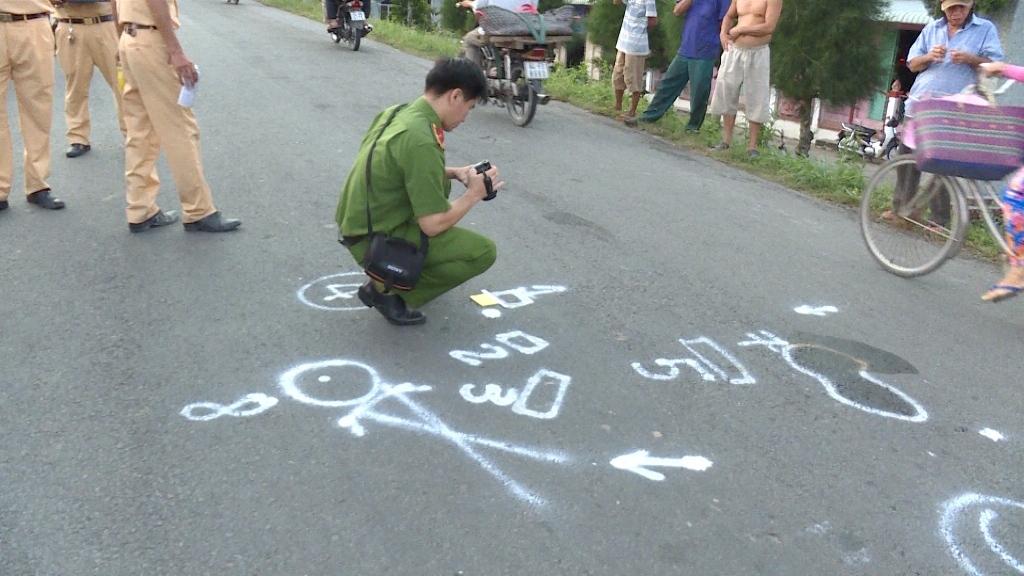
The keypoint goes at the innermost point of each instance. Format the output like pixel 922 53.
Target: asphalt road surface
pixel 689 370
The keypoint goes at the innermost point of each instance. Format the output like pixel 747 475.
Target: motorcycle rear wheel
pixel 522 107
pixel 353 34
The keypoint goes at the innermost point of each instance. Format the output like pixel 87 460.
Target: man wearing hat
pixel 946 56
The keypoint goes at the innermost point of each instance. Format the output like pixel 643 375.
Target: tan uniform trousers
pixel 26 57
pixel 154 121
pixel 95 46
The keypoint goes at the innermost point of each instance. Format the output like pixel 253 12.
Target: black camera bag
pixel 395 262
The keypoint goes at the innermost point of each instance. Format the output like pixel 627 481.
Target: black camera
pixel 481 168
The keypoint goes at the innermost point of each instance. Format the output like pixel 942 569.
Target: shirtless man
pixel 746 33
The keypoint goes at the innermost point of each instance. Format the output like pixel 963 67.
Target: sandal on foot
pixel 999 292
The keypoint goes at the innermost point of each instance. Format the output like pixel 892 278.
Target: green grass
pixel 842 182
pixel 432 45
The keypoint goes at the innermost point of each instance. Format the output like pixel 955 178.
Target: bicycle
pixel 930 227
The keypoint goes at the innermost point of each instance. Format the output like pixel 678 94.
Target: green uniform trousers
pixel 681 71
pixel 453 257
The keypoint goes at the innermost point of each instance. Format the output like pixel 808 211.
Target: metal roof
pixel 906 12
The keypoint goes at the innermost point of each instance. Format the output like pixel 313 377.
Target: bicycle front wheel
pixel 920 234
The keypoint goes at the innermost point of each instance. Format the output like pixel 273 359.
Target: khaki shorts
pixel 749 68
pixel 628 73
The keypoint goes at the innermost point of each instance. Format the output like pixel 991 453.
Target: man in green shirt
pixel 410 186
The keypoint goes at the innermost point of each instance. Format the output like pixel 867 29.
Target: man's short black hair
pixel 451 73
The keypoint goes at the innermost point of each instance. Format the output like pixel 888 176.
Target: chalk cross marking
pixel 638 462
pixel 336 293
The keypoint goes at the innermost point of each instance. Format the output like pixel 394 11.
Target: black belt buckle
pixel 131 30
pixel 4 17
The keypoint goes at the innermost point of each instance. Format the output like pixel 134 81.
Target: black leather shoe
pixel 213 223
pixel 3 205
pixel 76 150
pixel 368 294
pixel 161 218
pixel 394 310
pixel 44 199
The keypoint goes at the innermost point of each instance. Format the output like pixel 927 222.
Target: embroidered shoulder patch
pixel 438 135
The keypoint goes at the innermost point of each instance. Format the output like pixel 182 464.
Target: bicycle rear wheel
pixel 918 237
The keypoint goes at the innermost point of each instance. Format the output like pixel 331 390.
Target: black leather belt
pixel 5 17
pixel 94 20
pixel 131 27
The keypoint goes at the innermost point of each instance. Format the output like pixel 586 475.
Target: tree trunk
pixel 804 109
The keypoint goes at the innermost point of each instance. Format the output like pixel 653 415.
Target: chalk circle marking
pixel 333 288
pixel 289 383
pixel 491 312
pixel 955 508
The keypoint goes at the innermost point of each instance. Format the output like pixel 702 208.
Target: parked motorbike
pixel 352 24
pixel 860 140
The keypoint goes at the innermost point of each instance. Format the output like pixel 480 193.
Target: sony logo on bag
pixel 395 269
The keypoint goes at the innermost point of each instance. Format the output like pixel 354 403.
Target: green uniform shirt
pixel 407 176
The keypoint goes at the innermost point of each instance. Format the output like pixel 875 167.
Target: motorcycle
pixel 516 64
pixel 515 67
pixel 860 140
pixel 352 24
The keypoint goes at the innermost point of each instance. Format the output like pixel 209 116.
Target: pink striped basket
pixel 967 136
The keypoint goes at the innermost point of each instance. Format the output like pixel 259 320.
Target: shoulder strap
pixel 369 158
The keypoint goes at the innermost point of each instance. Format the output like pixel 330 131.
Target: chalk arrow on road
pixel 637 461
pixel 816 310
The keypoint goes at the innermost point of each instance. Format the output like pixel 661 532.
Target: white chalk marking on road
pixel 991 434
pixel 523 296
pixel 815 310
pixel 706 369
pixel 985 525
pixel 956 508
pixel 259 403
pixel 492 393
pixel 785 349
pixel 492 312
pixel 492 352
pixel 637 462
pixel 517 340
pixel 338 293
pixel 495 394
pixel 532 344
pixel 365 407
pixel 541 378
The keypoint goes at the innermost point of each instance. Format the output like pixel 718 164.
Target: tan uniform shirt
pixel 137 11
pixel 83 9
pixel 25 6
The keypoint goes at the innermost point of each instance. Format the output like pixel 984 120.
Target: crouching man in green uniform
pixel 409 190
